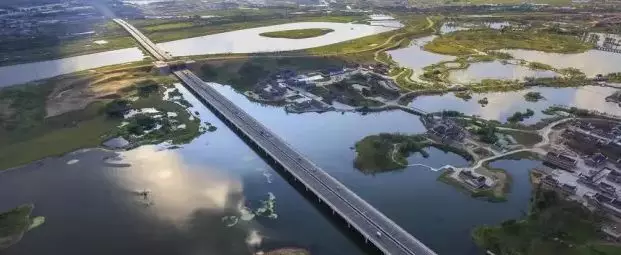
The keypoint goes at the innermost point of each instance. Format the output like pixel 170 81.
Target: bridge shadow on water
pixel 338 222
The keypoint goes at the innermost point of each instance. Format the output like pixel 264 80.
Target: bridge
pixel 144 41
pixel 374 226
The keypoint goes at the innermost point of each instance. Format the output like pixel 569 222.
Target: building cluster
pixel 61 20
pixel 300 91
pixel 473 180
pixel 444 129
pixel 561 160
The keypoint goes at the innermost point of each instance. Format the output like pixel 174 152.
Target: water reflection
pixel 496 70
pixel 415 57
pixel 503 104
pixel 17 74
pixel 591 62
pixel 176 188
pixel 237 41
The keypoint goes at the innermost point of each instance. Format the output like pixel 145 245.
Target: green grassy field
pixel 298 33
pixel 472 41
pixel 45 48
pixel 375 153
pixel 26 134
pixel 169 30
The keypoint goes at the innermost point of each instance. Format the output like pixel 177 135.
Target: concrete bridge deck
pixel 144 41
pixel 374 226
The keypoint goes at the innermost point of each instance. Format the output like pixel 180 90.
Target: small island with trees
pixel 15 223
pixel 298 33
pixel 533 96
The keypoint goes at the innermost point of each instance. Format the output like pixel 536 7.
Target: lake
pixel 22 73
pixel 496 70
pixel 237 41
pixel 503 104
pixel 591 62
pixel 201 195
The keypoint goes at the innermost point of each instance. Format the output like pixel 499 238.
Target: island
pixel 385 152
pixel 533 96
pixel 15 223
pixel 298 33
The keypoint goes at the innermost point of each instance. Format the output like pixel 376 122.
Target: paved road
pixel 367 220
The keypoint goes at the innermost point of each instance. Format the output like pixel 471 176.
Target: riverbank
pixel 83 110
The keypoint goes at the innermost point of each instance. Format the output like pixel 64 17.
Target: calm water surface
pixel 237 41
pixel 17 74
pixel 496 70
pixel 592 62
pixel 91 206
pixel 503 104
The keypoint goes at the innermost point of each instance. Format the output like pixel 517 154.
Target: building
pixel 472 180
pixel 549 182
pixel 596 160
pixel 445 129
pixel 607 189
pixel 560 160
pixel 567 189
pixel 614 176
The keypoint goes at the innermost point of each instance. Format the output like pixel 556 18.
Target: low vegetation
pixel 553 226
pixel 298 33
pixel 469 42
pixel 520 116
pixel 88 108
pixel 23 50
pixel 15 222
pixel 533 96
pixel 385 152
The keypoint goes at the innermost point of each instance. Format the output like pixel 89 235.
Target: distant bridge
pixel 374 226
pixel 144 41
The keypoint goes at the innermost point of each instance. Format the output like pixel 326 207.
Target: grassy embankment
pixel 16 51
pixel 298 33
pixel 79 103
pixel 553 226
